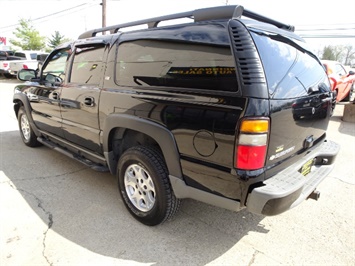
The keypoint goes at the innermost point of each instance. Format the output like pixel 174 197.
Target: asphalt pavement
pixel 56 211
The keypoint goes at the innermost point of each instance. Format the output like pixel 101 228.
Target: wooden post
pixel 103 15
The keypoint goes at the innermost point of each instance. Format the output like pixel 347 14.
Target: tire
pixel 27 134
pixel 144 186
pixel 8 76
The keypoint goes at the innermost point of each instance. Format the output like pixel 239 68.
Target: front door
pixel 80 97
pixel 45 96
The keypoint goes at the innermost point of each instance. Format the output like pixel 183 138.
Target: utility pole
pixel 103 14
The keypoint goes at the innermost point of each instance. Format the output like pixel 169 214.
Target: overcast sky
pixel 72 17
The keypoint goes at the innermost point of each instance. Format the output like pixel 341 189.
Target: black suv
pixel 230 109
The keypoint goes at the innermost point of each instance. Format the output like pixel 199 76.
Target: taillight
pixel 251 146
pixel 25 66
pixel 5 64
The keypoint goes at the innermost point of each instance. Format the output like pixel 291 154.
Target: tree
pixel 331 52
pixel 339 53
pixel 349 54
pixel 56 40
pixel 28 38
pixel 328 53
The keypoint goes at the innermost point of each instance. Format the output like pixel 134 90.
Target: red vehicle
pixel 342 82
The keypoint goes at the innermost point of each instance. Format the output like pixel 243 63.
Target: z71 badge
pixel 281 153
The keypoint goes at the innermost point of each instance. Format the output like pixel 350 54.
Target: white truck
pixel 20 60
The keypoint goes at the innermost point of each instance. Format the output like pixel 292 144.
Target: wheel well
pixel 122 139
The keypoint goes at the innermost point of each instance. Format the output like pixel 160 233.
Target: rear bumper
pixel 289 188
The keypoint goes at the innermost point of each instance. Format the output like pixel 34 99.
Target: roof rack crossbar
pixel 225 12
pixel 221 12
pixel 253 15
pixel 151 22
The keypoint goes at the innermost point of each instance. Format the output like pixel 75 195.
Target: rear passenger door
pixel 80 97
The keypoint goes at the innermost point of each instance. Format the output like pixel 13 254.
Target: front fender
pixel 160 134
pixel 19 99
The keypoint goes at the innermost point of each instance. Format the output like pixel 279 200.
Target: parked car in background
pixel 20 60
pixel 341 80
pixel 5 54
pixel 16 66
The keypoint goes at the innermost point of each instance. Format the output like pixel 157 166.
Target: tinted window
pixel 290 73
pixel 20 55
pixel 277 58
pixel 178 64
pixel 87 65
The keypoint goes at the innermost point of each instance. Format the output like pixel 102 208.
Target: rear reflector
pixel 251 146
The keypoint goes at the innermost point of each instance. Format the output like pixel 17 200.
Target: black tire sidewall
pixel 135 156
pixel 32 141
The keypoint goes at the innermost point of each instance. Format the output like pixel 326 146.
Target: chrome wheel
pixel 25 128
pixel 144 185
pixel 139 187
pixel 26 131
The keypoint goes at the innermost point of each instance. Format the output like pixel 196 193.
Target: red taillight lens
pixel 25 66
pixel 5 64
pixel 251 146
pixel 250 157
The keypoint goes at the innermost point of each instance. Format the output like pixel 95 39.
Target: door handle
pixel 89 101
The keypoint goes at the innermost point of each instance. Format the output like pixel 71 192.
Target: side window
pixel 20 55
pixel 33 56
pixel 54 70
pixel 87 65
pixel 175 64
pixel 339 70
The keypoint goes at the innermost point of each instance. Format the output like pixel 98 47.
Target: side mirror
pixel 26 74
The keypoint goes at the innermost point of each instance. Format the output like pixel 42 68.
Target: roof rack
pixel 211 13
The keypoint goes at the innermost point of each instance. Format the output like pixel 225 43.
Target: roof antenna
pixel 238 12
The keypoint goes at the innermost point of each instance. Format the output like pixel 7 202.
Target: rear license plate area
pixel 307 167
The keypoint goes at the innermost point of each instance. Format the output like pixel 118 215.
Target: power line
pixel 50 15
pixel 327 36
pixel 322 25
pixel 325 29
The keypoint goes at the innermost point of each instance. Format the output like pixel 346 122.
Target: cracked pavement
pixel 55 211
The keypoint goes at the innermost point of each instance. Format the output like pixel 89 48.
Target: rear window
pixel 340 70
pixel 290 72
pixel 175 64
pixel 33 56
